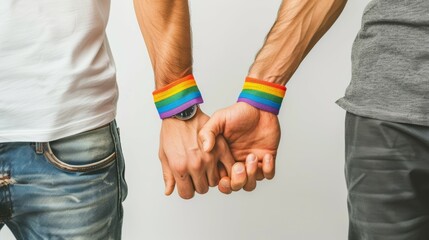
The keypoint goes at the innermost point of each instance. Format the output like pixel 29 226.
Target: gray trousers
pixel 387 175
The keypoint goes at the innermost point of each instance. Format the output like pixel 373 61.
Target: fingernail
pixel 251 158
pixel 239 168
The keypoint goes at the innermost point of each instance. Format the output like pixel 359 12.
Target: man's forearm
pixel 165 25
pixel 299 26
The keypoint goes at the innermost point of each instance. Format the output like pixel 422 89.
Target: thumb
pixel 213 127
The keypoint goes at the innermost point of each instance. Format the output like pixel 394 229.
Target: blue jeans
pixel 70 188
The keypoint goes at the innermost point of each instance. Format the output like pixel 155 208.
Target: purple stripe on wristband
pixel 181 108
pixel 259 105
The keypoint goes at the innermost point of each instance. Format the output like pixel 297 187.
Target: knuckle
pixel 208 160
pixel 181 171
pixel 201 134
pixel 196 165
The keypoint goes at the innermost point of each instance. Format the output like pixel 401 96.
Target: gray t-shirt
pixel 390 79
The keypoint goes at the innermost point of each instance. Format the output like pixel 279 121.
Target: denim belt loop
pixel 39 148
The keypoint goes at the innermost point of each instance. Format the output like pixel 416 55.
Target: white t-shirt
pixel 57 75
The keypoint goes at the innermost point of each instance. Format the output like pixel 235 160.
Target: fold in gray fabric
pixel 387 174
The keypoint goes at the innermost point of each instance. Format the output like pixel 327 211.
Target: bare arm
pixel 250 131
pixel 165 25
pixel 167 33
pixel 299 26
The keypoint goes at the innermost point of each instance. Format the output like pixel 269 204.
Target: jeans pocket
pixel 84 152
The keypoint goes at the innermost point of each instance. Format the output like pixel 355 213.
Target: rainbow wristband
pixel 177 97
pixel 263 95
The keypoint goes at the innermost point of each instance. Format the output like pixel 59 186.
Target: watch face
pixel 187 113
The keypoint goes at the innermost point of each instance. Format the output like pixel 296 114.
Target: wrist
pixel 191 126
pixel 198 114
pixel 164 77
pixel 177 97
pixel 263 95
pixel 269 77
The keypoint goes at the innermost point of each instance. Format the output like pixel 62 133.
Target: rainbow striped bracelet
pixel 263 95
pixel 177 97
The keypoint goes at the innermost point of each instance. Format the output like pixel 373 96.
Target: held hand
pixel 253 137
pixel 183 162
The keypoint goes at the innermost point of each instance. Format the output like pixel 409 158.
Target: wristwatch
pixel 187 113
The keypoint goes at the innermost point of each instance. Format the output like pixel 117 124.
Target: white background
pixel 307 199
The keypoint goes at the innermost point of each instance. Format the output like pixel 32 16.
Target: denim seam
pixel 118 173
pixel 7 199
